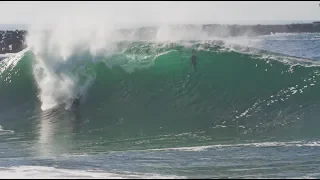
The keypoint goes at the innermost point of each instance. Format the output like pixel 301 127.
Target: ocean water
pixel 251 110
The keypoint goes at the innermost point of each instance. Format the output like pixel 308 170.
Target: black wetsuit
pixel 194 61
pixel 76 102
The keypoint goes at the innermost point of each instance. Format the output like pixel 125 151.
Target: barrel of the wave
pixel 224 99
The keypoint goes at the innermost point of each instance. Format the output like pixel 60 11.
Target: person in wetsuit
pixel 76 101
pixel 193 60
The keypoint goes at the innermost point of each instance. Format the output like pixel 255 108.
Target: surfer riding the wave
pixel 193 61
pixel 76 101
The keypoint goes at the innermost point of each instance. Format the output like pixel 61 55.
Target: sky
pixel 196 12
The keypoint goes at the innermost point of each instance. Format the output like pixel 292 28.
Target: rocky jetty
pixel 12 41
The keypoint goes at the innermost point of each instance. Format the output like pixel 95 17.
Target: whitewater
pixel 250 111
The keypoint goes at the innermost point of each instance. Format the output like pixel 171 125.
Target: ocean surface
pixel 250 110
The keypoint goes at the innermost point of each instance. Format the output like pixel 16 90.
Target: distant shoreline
pixel 13 41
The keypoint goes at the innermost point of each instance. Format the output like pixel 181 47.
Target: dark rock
pixel 12 41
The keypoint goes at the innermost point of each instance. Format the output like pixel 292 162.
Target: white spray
pixel 58 35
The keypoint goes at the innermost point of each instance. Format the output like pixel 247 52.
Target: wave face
pixel 146 89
